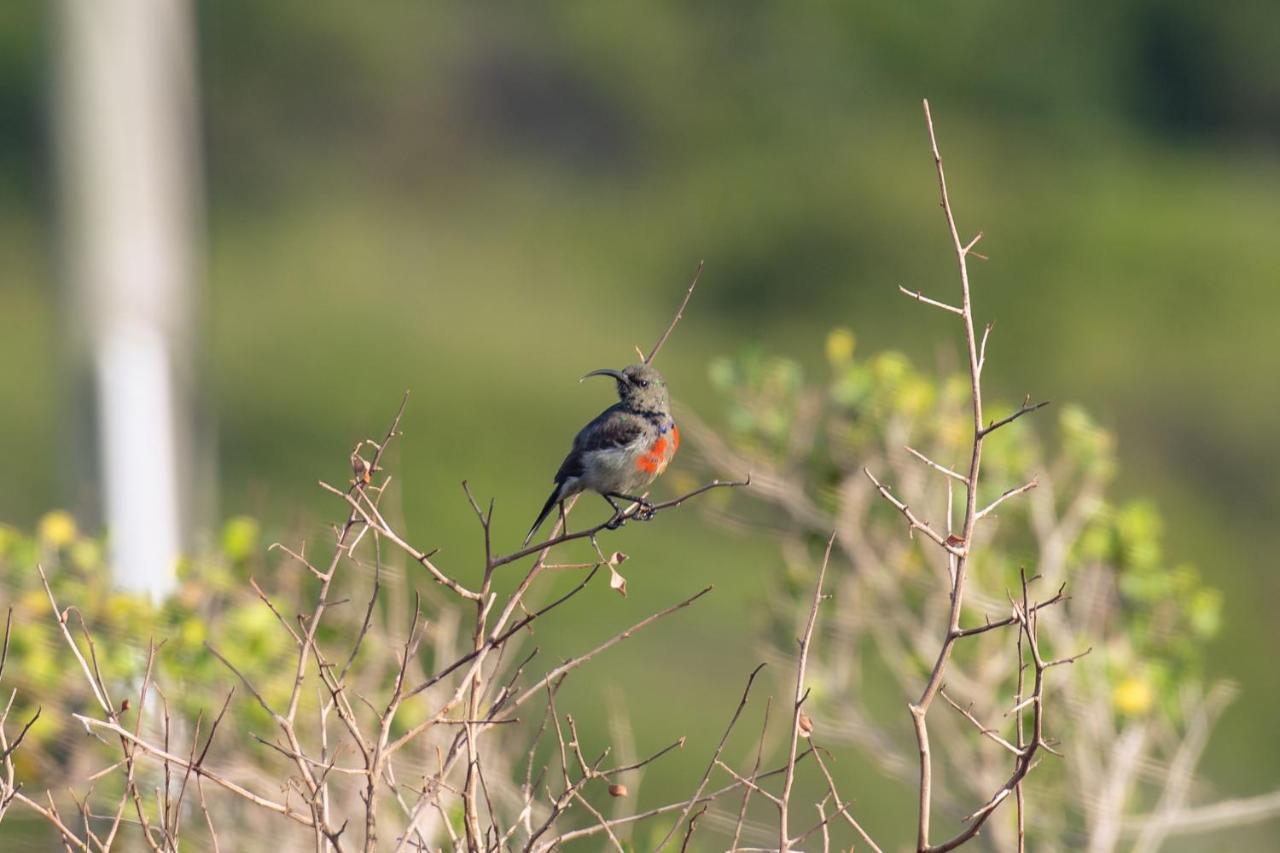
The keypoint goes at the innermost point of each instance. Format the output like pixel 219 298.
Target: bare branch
pixel 1219 815
pixel 843 810
pixel 1026 408
pixel 711 796
pixel 1014 492
pixel 914 522
pixel 196 768
pixel 755 770
pixel 934 465
pixel 702 783
pixel 61 616
pixel 983 730
pixel 17 741
pixel 751 784
pixel 919 297
pixel 676 319
pixel 578 661
pixel 374 519
pixel 693 822
pixel 1179 778
pixel 1060 595
pixel 494 642
pixel 958 546
pixel 784 842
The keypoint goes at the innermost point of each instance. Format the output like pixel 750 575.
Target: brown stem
pixel 784 841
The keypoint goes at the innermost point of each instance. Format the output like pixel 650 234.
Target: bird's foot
pixel 614 523
pixel 646 512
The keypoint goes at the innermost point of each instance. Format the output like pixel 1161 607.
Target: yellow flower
pixel 57 528
pixel 840 344
pixel 192 632
pixel 1133 697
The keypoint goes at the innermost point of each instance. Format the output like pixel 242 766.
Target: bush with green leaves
pixel 210 588
pixel 1131 718
pixel 214 611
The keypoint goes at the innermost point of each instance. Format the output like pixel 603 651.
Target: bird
pixel 623 449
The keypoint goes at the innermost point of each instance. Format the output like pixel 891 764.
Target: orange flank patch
pixel 659 454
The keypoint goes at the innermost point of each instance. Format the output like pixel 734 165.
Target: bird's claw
pixel 644 511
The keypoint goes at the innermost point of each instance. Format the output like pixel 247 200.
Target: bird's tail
pixel 546 510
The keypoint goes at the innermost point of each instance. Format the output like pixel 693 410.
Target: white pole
pixel 127 139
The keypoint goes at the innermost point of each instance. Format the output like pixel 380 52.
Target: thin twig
pixel 1026 408
pixel 711 796
pixel 702 783
pixel 196 768
pixel 676 319
pixel 755 770
pixel 912 520
pixel 1010 493
pixel 578 661
pixel 983 730
pixel 844 811
pixel 920 297
pixel 784 842
pixel 934 465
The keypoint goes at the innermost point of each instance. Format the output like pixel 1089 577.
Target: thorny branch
pixel 706 776
pixel 958 550
pixel 355 768
pixel 797 714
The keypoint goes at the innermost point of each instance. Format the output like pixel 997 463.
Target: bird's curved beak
pixel 616 374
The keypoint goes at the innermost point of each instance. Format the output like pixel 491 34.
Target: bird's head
pixel 640 388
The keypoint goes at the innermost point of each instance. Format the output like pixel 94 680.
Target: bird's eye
pixel 643 383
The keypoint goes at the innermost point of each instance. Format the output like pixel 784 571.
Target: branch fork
pixel 957 546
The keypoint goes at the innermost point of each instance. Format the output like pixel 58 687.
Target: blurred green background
pixel 482 203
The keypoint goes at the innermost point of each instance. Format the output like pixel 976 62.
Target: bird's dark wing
pixel 614 427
